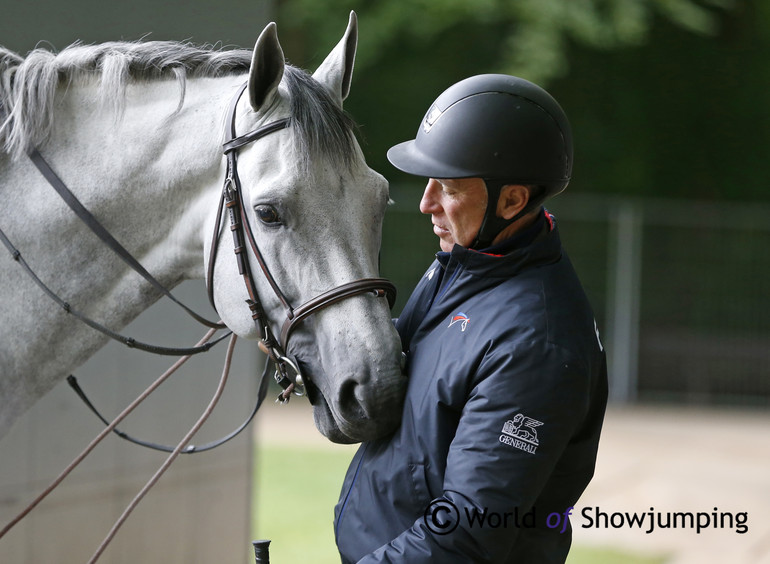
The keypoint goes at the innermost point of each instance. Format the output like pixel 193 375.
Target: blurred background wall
pixel 200 511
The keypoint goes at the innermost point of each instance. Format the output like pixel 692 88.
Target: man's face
pixel 456 207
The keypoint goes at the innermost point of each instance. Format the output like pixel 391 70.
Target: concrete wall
pixel 200 509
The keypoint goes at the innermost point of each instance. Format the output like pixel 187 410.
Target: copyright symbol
pixel 441 517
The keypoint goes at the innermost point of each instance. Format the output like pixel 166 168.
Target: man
pixel 507 375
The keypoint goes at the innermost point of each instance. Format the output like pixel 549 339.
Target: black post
pixel 261 551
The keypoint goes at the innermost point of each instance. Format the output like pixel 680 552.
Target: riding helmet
pixel 501 128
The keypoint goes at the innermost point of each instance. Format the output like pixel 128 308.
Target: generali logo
pixel 521 433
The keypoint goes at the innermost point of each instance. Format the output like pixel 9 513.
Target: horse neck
pixel 150 171
pixel 151 176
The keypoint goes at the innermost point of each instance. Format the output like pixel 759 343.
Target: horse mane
pixel 28 86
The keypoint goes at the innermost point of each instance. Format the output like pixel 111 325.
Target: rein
pixel 114 245
pixel 130 342
pixel 189 449
pixel 100 437
pixel 106 237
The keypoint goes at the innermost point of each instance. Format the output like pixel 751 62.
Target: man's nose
pixel 428 203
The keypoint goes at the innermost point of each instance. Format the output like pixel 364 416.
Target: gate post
pixel 624 273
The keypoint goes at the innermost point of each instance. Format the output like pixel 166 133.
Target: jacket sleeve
pixel 498 464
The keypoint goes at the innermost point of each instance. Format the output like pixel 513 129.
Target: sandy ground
pixel 710 465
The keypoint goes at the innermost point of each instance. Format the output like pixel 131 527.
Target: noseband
pixel 287 373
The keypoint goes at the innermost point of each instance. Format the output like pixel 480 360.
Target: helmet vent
pixel 433 114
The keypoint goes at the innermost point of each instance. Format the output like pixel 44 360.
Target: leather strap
pixel 106 237
pixel 252 136
pixel 189 449
pixel 378 286
pixel 128 341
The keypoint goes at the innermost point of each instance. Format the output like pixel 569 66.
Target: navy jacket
pixel 499 434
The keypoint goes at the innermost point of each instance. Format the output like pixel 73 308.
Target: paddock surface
pixel 652 459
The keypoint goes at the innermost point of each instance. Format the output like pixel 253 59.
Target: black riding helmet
pixel 501 128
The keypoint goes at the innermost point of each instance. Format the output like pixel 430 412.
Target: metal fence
pixel 680 289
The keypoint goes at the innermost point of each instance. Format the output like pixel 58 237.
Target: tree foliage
pixel 534 35
pixel 666 97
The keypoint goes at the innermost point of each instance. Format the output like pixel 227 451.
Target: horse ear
pixel 336 72
pixel 267 64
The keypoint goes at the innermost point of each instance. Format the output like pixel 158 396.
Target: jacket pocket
pixel 420 488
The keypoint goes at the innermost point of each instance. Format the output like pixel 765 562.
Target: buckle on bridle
pixel 230 194
pixel 291 386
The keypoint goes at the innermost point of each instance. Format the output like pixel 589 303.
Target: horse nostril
pixel 350 404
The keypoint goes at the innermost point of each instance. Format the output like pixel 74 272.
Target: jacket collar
pixel 537 244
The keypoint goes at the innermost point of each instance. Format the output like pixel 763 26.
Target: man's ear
pixel 513 199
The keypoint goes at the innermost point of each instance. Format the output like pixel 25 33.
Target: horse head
pixel 314 210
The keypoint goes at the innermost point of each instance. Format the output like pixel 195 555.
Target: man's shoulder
pixel 546 303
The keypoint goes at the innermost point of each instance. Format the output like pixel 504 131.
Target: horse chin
pixel 352 425
pixel 324 418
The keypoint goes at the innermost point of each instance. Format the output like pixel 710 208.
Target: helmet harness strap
pixel 493 224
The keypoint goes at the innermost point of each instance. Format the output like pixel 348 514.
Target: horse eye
pixel 268 214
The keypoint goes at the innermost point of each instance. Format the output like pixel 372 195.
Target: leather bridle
pixel 232 199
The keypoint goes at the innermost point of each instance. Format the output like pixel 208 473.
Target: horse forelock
pixel 321 128
pixel 28 86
